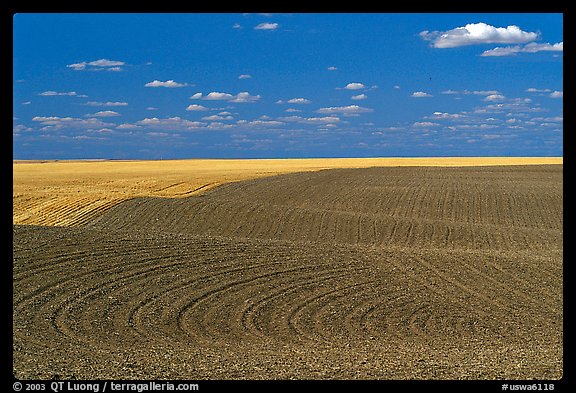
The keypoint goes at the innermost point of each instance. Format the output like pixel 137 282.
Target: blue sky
pixel 149 86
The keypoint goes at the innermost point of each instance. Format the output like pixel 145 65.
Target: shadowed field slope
pixel 391 273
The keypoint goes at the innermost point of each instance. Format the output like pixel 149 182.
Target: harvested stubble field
pixel 375 273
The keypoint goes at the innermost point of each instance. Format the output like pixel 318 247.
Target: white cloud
pixel 245 76
pixel 557 94
pixel 534 90
pixel 311 120
pixel 292 110
pixel 170 123
pixel 483 92
pixel 45 119
pixel 332 68
pixel 104 114
pixel 151 108
pixel 245 97
pixel 55 93
pixel 127 126
pixel 97 65
pixel 478 33
pixel 321 120
pixel 355 86
pixel 216 96
pixel 267 26
pixel 169 83
pixel 217 118
pixel 446 115
pixel 106 63
pixel 260 123
pixel 108 103
pixel 345 110
pixel 56 123
pixel 494 98
pixel 529 48
pixel 216 125
pixel 77 66
pixel 196 108
pixel 236 26
pixel 299 101
pixel 549 119
pixel 425 124
pixel 359 97
pixel 19 128
pixel 475 92
pixel 420 94
pixel 242 97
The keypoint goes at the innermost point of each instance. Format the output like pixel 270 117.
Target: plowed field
pixel 374 273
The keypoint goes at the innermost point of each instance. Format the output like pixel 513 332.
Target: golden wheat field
pixel 372 269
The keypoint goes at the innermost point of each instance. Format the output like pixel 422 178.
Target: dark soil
pixel 379 273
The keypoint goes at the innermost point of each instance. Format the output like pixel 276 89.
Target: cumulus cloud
pixel 108 103
pixel 56 122
pixel 259 123
pixel 169 83
pixel 217 118
pixel 494 98
pixel 529 48
pixel 534 90
pixel 477 33
pixel 311 120
pixel 345 110
pixel 50 93
pixel 245 97
pixel 170 123
pixel 128 126
pixel 104 114
pixel 446 115
pixel 420 94
pixel 245 76
pixel 196 108
pixel 475 92
pixel 549 119
pixel 242 97
pixel 332 68
pixel 321 120
pixel 217 96
pixel 299 101
pixel 267 26
pixel 355 86
pixel 97 65
pixel 425 124
pixel 557 94
pixel 359 97
pixel 106 63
